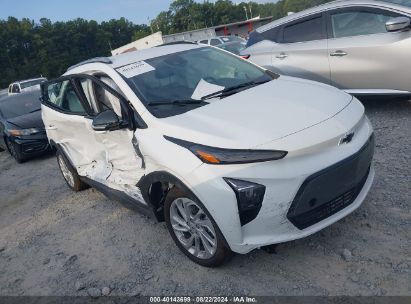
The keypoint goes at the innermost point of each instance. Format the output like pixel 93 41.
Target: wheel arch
pixel 154 188
pixel 56 147
pixel 163 182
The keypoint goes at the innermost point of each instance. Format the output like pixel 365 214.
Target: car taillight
pixel 245 56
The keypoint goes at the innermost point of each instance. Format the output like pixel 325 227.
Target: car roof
pixel 332 5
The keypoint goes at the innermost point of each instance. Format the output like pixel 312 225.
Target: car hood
pixel 260 114
pixel 27 121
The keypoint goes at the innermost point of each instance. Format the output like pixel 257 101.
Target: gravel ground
pixel 57 242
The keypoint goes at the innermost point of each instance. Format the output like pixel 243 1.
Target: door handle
pixel 51 127
pixel 281 56
pixel 338 53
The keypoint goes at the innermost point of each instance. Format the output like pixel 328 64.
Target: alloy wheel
pixel 68 176
pixel 193 228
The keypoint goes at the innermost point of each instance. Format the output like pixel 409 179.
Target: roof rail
pixel 106 60
pixel 177 42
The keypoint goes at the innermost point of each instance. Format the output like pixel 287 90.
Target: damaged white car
pixel 231 156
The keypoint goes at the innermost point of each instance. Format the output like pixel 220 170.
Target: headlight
pixel 24 132
pixel 221 156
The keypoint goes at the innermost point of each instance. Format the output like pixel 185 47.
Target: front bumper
pixel 290 232
pixel 32 145
pixel 332 189
pixel 283 179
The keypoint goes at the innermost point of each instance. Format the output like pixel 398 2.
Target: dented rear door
pixel 68 121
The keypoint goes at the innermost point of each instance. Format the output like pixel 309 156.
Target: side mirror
pixel 397 24
pixel 107 121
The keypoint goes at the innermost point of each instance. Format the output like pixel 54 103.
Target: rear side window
pixel 271 34
pixel 358 22
pixel 254 38
pixel 307 30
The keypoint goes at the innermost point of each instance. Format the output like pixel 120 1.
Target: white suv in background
pixel 25 85
pixel 233 157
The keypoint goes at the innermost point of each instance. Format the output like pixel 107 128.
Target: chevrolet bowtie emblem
pixel 347 138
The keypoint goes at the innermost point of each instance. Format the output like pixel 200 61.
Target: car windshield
pixel 20 104
pixel 400 2
pixel 31 83
pixel 187 76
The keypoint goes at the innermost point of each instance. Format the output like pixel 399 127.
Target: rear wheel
pixel 69 173
pixel 193 230
pixel 15 151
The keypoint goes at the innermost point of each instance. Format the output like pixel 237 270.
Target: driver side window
pixel 100 98
pixel 357 21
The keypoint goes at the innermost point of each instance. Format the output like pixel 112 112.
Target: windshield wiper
pixel 35 110
pixel 234 89
pixel 181 102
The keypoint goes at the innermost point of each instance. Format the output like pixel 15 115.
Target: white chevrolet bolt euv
pixel 231 156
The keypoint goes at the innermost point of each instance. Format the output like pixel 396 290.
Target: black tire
pixel 15 151
pixel 222 253
pixel 70 174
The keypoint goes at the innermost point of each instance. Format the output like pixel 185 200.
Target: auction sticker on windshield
pixel 135 69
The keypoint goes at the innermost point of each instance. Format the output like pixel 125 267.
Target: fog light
pixel 249 198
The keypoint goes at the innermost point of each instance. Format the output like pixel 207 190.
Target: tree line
pixel 30 49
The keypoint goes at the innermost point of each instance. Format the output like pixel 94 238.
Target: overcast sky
pixel 137 11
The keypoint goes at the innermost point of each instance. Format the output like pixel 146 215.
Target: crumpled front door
pixel 122 166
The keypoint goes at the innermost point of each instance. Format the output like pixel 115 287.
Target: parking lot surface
pixel 57 242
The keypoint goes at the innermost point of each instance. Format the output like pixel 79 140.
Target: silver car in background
pixel 362 47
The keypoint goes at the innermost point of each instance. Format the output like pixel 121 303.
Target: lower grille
pixel 332 189
pixel 34 147
pixel 329 208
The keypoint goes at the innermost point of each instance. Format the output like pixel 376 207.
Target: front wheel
pixel 193 230
pixel 15 151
